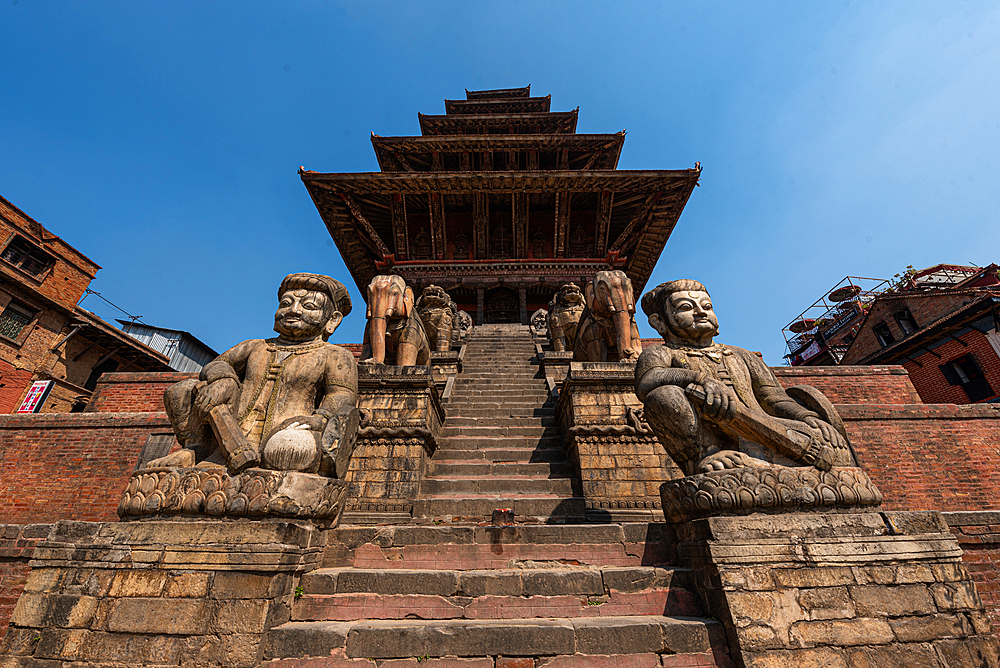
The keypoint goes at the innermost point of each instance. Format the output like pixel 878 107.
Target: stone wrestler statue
pixel 715 406
pixel 289 401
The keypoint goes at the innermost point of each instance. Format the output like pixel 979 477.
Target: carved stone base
pixel 253 493
pixel 767 489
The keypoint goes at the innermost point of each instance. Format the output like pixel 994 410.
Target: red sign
pixel 37 393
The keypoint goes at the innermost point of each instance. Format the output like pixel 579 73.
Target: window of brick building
pixel 906 321
pixel 965 372
pixel 27 257
pixel 14 319
pixel 883 334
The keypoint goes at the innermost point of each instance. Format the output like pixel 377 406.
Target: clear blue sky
pixel 162 139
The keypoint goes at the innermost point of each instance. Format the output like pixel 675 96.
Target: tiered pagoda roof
pixel 500 191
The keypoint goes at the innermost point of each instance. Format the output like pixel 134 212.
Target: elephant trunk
pixel 623 330
pixel 376 338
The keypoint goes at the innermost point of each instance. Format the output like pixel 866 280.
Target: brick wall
pixel 929 456
pixel 13 384
pixel 979 535
pixel 931 383
pixel 878 384
pixel 17 543
pixel 69 466
pixel 137 392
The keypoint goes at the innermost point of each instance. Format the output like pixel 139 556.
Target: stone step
pixel 506 421
pixel 513 409
pixel 503 442
pixel 522 455
pixel 573 638
pixel 493 432
pixel 456 468
pixel 495 486
pixel 482 506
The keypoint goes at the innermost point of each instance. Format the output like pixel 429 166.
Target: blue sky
pixel 162 139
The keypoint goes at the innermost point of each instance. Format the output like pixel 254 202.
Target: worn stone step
pixel 491 432
pixel 545 506
pixel 514 409
pixel 523 455
pixel 475 406
pixel 573 637
pixel 498 486
pixel 479 442
pixel 454 468
pixel 501 421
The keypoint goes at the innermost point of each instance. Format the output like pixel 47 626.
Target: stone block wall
pixel 17 545
pixel 70 465
pixel 929 456
pixel 978 534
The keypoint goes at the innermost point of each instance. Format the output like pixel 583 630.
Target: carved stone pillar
pixel 522 298
pixel 480 298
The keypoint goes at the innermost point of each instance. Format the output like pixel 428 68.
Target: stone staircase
pixel 501 446
pixel 452 590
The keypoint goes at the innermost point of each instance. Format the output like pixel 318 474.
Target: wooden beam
pixel 370 234
pixel 488 161
pixel 512 160
pixel 437 226
pixel 404 163
pixel 563 202
pixel 480 217
pixel 399 226
pixel 106 357
pixel 564 159
pixel 603 223
pixel 436 161
pixel 624 240
pixel 533 160
pixel 465 161
pixel 66 338
pixel 594 157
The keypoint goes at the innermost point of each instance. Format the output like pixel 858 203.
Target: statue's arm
pixel 654 369
pixel 769 392
pixel 222 377
pixel 341 381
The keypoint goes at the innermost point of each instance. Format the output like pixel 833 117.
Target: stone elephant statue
pixel 394 333
pixel 563 320
pixel 607 331
pixel 440 316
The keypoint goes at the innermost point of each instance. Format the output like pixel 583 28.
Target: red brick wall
pixel 929 456
pixel 929 380
pixel 17 543
pixel 69 466
pixel 13 384
pixel 979 535
pixel 133 392
pixel 878 384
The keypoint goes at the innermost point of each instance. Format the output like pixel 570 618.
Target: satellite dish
pixel 803 325
pixel 845 293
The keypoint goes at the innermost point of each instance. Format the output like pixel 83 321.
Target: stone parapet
pixel 401 419
pixel 133 391
pixel 166 592
pixel 622 464
pixel 840 589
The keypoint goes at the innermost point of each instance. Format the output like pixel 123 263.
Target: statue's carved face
pixel 304 315
pixel 689 317
pixel 570 295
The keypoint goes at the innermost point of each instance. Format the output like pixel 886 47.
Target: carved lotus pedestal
pixel 257 493
pixel 742 491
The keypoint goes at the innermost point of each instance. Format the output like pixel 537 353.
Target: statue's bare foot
pixel 727 459
pixel 180 459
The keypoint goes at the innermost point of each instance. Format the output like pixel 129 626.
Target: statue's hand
pixel 311 422
pixel 726 459
pixel 827 431
pixel 215 394
pixel 719 403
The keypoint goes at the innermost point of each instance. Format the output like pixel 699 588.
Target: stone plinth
pixel 401 417
pixel 622 464
pixel 252 493
pixel 159 592
pixel 839 589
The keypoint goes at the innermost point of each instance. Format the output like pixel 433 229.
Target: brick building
pixel 50 347
pixel 943 325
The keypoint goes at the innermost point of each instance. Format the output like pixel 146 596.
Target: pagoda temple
pixel 500 202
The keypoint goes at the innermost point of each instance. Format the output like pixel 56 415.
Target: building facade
pixel 52 351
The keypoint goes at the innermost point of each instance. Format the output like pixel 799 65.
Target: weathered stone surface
pixel 465 638
pixel 606 635
pixel 159 616
pixel 926 628
pixel 241 616
pixel 893 656
pixel 236 584
pixel 827 603
pixel 956 596
pixel 491 583
pixel 808 658
pixel 874 601
pixel 299 639
pixel 554 583
pixel 843 632
pixel 55 610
